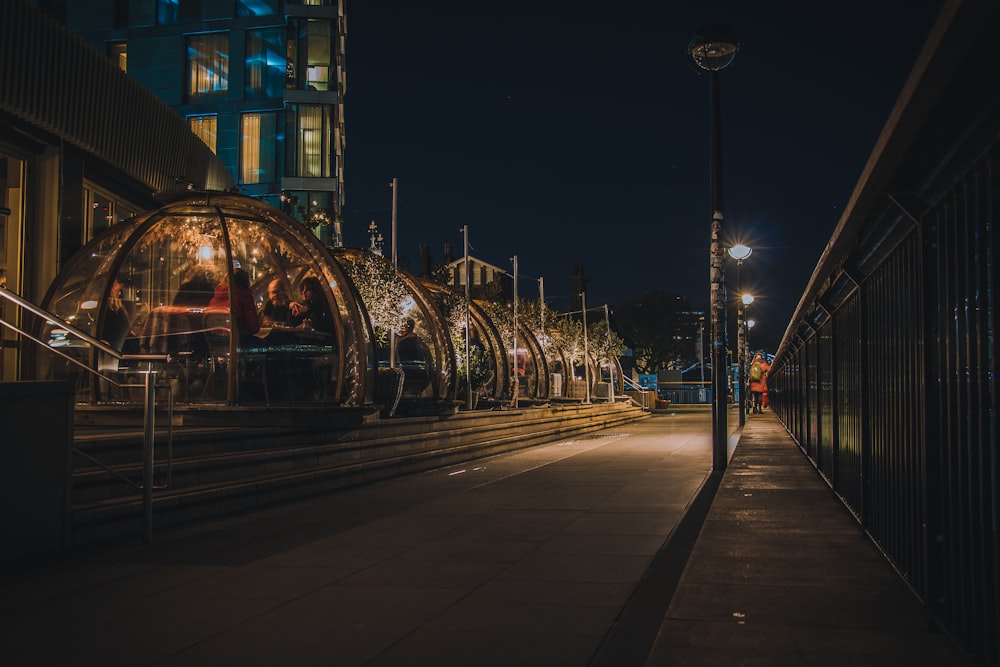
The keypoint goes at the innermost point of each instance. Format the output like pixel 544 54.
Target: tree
pixel 658 329
pixel 604 345
pixel 479 366
pixel 541 322
pixel 382 291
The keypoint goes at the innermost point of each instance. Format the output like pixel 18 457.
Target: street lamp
pixel 746 299
pixel 739 252
pixel 712 50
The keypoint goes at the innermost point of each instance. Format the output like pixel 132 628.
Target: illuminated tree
pixel 604 344
pixel 310 214
pixel 502 315
pixel 478 368
pixel 568 337
pixel 382 291
pixel 531 314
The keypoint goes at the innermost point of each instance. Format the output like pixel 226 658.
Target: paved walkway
pixel 551 557
pixel 781 574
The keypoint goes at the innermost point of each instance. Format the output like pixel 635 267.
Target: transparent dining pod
pixel 409 328
pixel 247 303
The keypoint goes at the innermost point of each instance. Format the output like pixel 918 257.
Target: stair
pixel 225 469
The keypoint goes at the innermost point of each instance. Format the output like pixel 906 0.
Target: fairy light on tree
pixel 383 292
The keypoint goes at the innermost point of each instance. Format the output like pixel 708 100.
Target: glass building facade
pixel 261 82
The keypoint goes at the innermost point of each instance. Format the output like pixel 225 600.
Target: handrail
pixel 629 383
pixel 149 402
pixel 55 319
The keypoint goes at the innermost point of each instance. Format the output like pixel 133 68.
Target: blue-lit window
pixel 265 64
pixel 258 141
pixel 256 7
pixel 169 12
pixel 309 141
pixel 208 66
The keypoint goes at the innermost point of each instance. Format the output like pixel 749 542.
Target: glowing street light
pixel 739 252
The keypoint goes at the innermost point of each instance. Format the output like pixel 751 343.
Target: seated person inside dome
pixel 409 347
pixel 114 327
pixel 415 359
pixel 244 309
pixel 277 308
pixel 313 311
pixel 117 318
pixel 196 290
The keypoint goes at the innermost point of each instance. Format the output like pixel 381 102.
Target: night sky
pixel 577 133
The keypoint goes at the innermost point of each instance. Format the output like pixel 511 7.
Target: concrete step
pixel 216 482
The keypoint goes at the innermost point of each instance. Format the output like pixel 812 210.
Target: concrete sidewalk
pixel 565 555
pixel 518 560
pixel 782 574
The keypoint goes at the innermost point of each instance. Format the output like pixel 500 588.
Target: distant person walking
pixel 757 376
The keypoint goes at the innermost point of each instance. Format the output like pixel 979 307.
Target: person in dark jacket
pixel 313 311
pixel 244 309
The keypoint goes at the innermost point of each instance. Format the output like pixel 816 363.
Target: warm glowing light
pixel 747 299
pixel 205 253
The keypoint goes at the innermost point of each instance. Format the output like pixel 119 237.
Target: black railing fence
pixel 887 373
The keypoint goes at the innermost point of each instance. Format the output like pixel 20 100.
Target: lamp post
pixel 739 252
pixel 712 50
pixel 745 300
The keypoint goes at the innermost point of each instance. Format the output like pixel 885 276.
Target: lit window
pixel 257 147
pixel 312 70
pixel 208 65
pixel 265 63
pixel 101 213
pixel 118 52
pixel 310 152
pixel 205 127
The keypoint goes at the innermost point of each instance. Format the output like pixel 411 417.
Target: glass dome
pixel 246 301
pixel 402 312
pixel 530 366
pixel 484 344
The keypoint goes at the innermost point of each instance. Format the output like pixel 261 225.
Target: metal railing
pixel 630 385
pixel 149 398
pixel 887 374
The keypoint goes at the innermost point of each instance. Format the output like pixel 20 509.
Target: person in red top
pixel 244 308
pixel 757 377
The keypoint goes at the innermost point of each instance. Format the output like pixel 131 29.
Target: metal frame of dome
pixel 487 331
pixel 434 323
pixel 87 279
